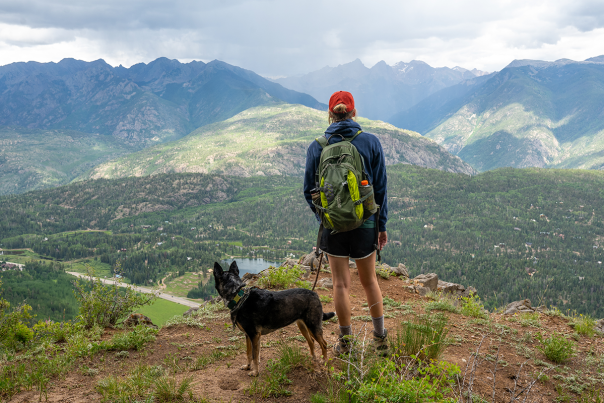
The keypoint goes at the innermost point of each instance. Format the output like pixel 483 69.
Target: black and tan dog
pixel 256 312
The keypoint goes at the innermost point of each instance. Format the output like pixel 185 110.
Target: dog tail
pixel 328 315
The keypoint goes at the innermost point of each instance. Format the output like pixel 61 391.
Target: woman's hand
pixel 382 239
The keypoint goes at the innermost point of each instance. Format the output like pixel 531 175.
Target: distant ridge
pixel 382 90
pixel 141 105
pixel 530 114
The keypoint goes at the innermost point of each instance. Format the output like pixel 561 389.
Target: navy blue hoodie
pixel 369 147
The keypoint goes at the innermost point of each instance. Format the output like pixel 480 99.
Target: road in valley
pixel 178 300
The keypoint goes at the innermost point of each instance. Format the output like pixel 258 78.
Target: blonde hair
pixel 339 114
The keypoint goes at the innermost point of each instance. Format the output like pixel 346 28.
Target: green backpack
pixel 339 175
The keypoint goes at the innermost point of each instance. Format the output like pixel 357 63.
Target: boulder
pixel 312 261
pixel 452 288
pixel 469 292
pixel 518 307
pixel 600 325
pixel 429 280
pixel 400 270
pixel 423 291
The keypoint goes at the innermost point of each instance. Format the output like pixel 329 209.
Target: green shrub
pixel 556 348
pixel 325 299
pixel 472 307
pixel 14 332
pixel 133 340
pixel 106 304
pixel 424 337
pixel 283 277
pixel 585 325
pixel 22 333
pixel 167 389
pixel 432 385
pixel 55 332
pixel 441 305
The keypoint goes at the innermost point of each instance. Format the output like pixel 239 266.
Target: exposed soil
pixel 223 381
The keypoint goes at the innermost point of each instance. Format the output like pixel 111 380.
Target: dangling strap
pixel 377 235
pixel 319 235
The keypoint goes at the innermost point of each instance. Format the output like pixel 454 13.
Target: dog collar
pixel 238 298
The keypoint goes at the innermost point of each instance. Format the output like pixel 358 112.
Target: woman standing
pixel 360 243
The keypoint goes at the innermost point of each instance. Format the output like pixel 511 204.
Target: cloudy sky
pixel 281 38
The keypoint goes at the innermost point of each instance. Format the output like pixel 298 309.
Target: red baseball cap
pixel 341 97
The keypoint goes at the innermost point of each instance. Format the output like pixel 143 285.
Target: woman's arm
pixel 313 154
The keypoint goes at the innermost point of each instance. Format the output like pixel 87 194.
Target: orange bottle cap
pixel 364 183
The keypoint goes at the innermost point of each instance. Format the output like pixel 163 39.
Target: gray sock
pixel 345 330
pixel 378 325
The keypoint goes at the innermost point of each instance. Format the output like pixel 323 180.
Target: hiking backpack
pixel 339 175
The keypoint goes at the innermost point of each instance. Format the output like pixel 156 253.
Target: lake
pixel 249 265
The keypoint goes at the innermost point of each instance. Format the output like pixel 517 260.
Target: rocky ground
pixel 475 344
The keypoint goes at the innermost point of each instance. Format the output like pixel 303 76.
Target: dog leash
pixel 318 271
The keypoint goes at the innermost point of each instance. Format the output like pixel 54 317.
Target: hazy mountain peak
pixel 597 59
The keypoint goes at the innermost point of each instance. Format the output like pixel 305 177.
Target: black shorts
pixel 356 244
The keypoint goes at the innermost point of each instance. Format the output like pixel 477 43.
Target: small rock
pixel 289 262
pixel 138 319
pixel 600 325
pixel 326 282
pixel 429 280
pixel 190 311
pixel 352 264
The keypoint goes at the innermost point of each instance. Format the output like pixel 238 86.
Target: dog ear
pixel 234 269
pixel 218 269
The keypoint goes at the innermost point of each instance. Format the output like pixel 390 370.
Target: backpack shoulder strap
pixel 322 141
pixel 353 137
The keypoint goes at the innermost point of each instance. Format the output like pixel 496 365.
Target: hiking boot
pixel 342 346
pixel 380 343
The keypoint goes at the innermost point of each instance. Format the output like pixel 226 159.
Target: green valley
pixel 511 233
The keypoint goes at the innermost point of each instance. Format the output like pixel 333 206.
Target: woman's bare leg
pixel 369 282
pixel 340 274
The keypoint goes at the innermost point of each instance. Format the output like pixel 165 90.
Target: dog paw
pixel 245 367
pixel 253 373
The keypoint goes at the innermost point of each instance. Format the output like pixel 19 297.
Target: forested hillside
pixel 512 234
pixel 33 159
pixel 269 140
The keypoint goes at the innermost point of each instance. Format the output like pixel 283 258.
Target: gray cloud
pixel 283 38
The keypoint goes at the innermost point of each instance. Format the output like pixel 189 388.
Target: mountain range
pixel 141 105
pixel 382 90
pixel 530 114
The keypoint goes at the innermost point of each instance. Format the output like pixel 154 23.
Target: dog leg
pixel 319 337
pixel 248 344
pixel 255 354
pixel 308 337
